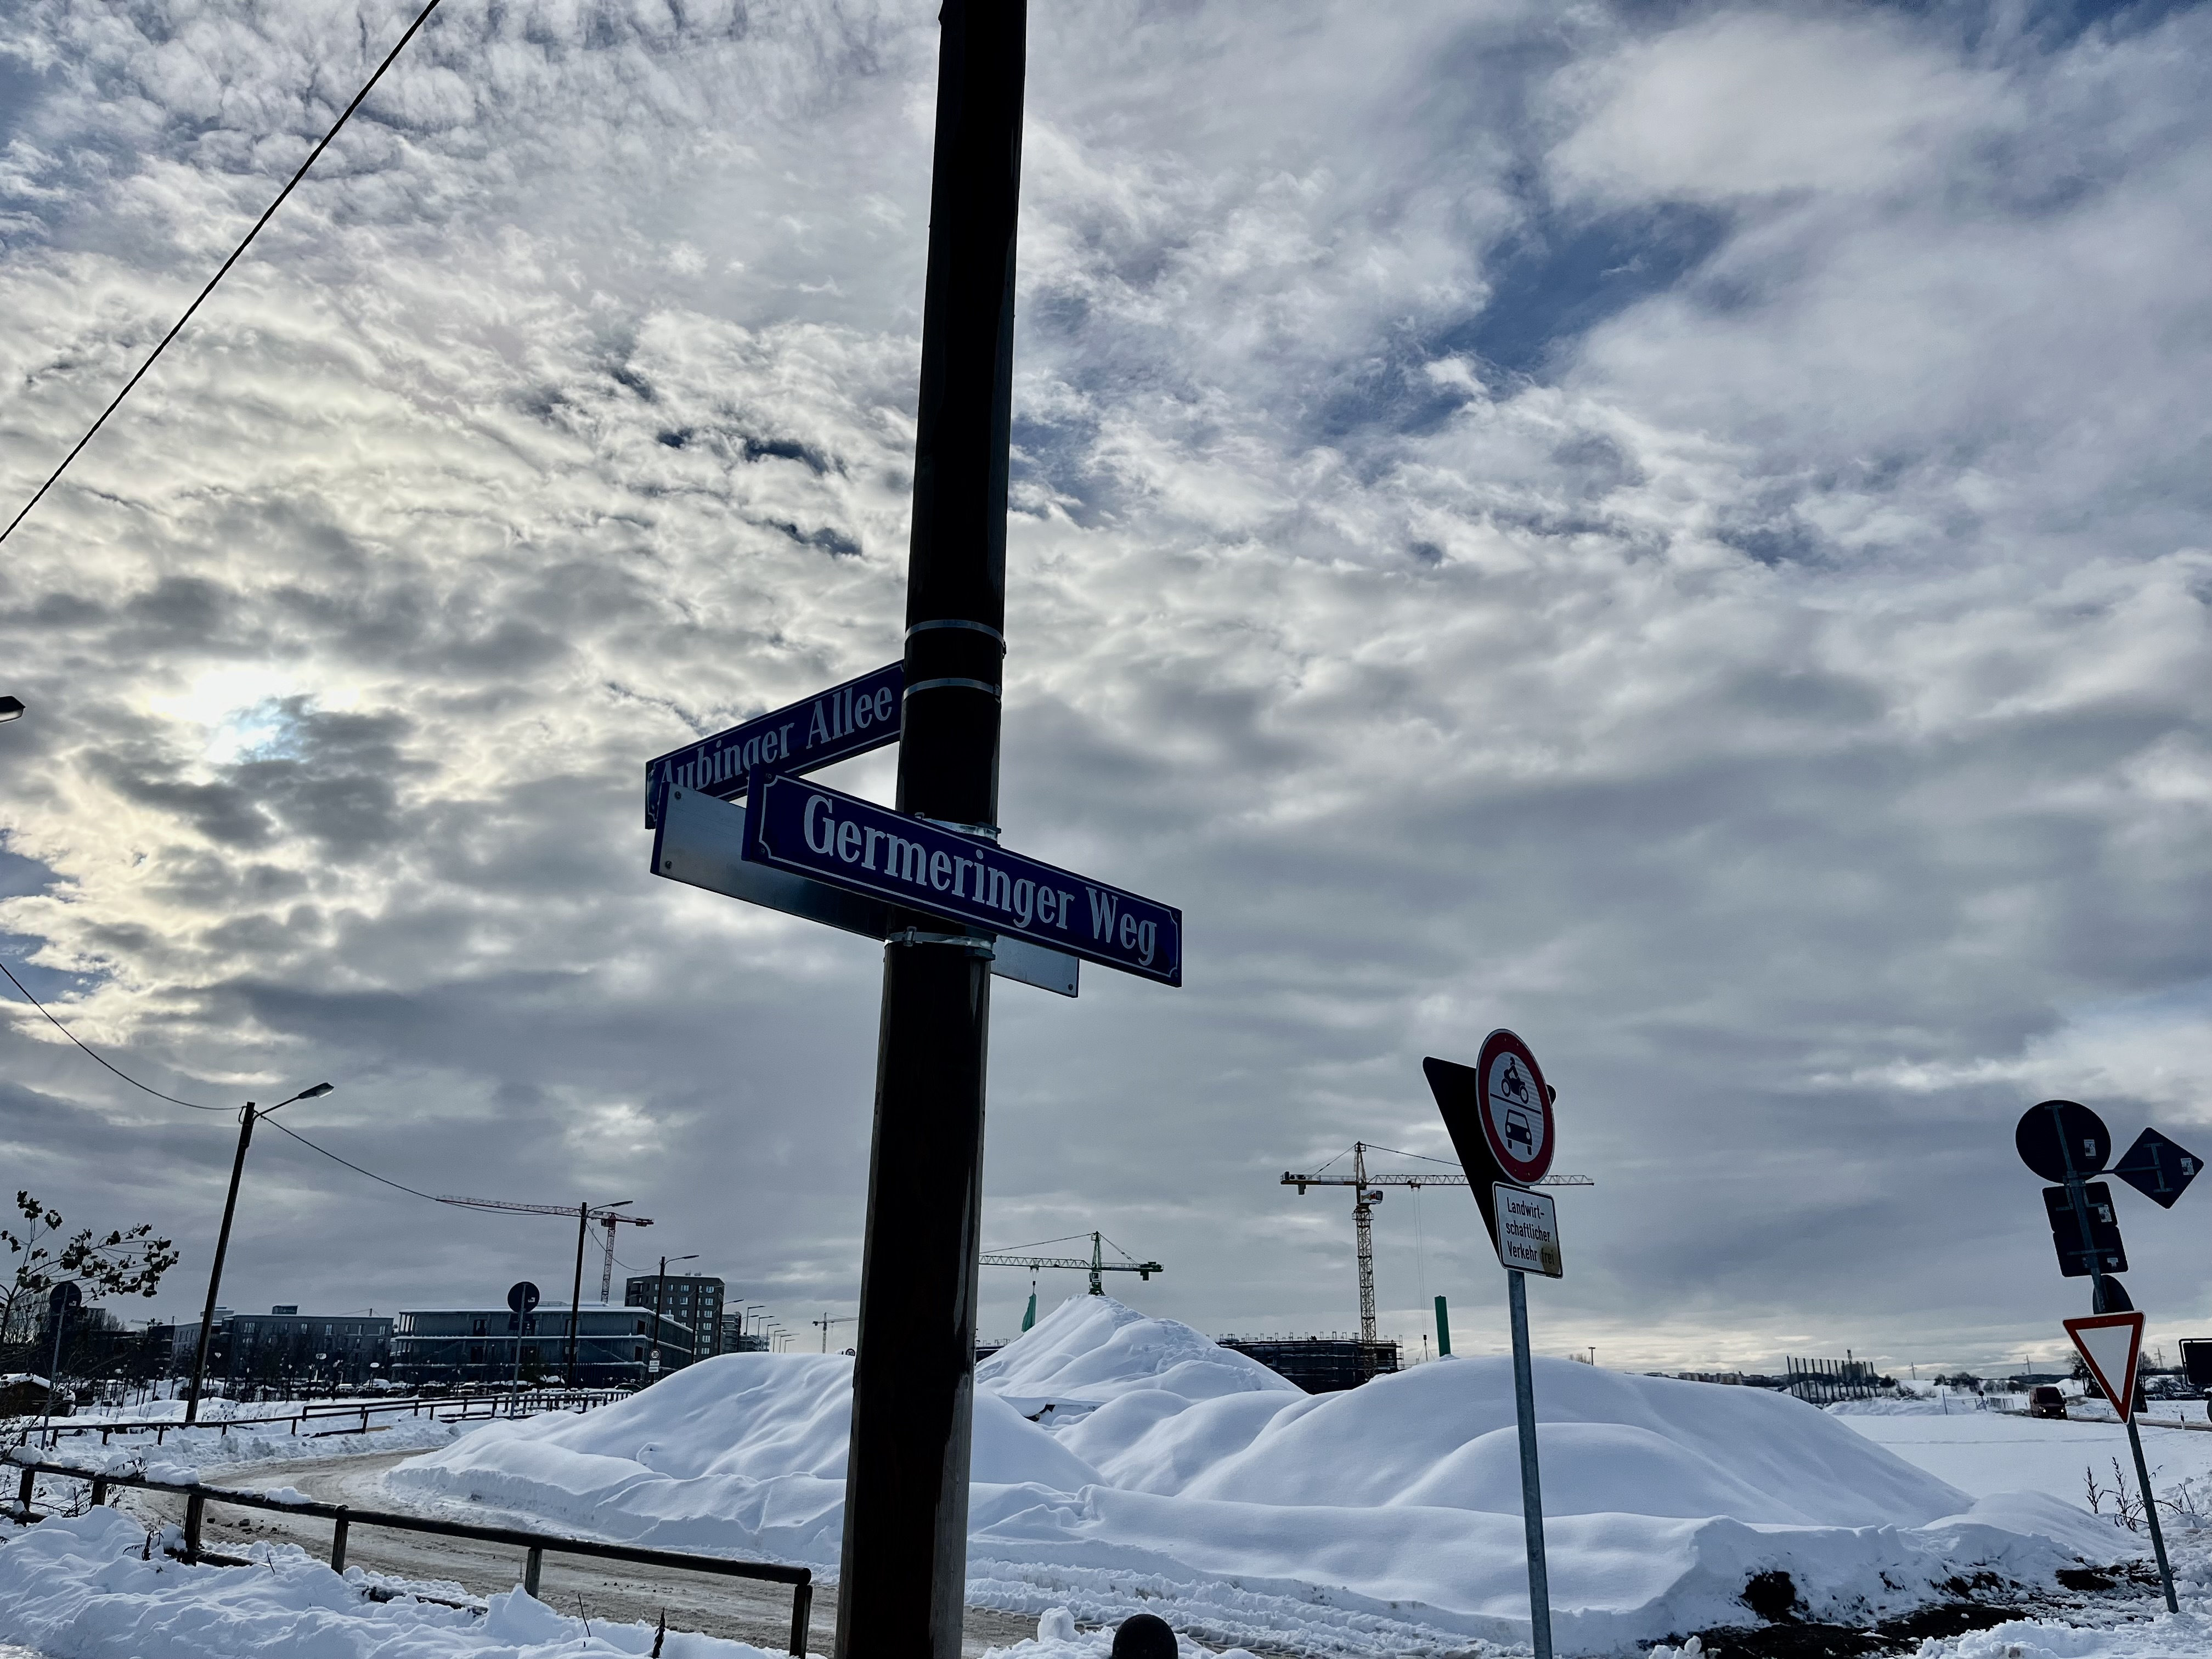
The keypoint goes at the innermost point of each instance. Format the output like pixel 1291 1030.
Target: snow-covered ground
pixel 1986 1452
pixel 1122 1462
pixel 82 1589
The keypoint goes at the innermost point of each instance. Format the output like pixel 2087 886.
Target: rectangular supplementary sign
pixel 701 841
pixel 836 724
pixel 1528 1230
pixel 911 862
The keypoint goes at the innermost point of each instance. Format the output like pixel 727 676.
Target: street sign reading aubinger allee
pixel 809 830
pixel 836 724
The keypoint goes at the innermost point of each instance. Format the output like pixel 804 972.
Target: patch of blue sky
pixel 1556 279
pixel 19 878
pixel 1561 276
pixel 21 87
pixel 263 730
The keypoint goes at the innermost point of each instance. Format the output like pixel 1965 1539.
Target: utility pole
pixel 576 1286
pixel 901 1587
pixel 245 1122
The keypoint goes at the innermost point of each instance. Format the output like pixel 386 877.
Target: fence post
pixel 534 1565
pixel 195 1512
pixel 23 1496
pixel 338 1542
pixel 802 1610
pixel 98 1490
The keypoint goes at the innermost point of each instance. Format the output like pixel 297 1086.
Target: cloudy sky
pixel 1677 529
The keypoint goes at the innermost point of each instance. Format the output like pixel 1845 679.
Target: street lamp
pixel 222 1240
pixel 11 708
pixel 660 1290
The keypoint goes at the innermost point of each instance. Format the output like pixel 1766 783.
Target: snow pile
pixel 1159 1469
pixel 77 1587
pixel 1092 1349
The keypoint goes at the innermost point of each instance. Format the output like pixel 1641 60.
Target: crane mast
pixel 1367 1192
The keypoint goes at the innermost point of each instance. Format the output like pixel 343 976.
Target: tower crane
pixel 1096 1266
pixel 824 1324
pixel 1367 1192
pixel 608 1215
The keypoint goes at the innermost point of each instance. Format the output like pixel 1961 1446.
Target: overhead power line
pixel 236 254
pixel 434 1198
pixel 73 1037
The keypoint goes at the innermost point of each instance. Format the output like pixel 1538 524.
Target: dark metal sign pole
pixel 2124 1408
pixel 901 1588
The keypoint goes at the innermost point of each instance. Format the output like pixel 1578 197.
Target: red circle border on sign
pixel 1527 1171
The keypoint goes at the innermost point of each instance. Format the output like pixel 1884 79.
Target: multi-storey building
pixel 492 1345
pixel 691 1309
pixel 286 1346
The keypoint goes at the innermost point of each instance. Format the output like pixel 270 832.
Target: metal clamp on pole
pixel 975 947
pixel 949 680
pixel 959 622
pixel 986 831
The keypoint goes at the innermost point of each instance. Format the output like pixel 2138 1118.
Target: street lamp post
pixel 11 708
pixel 660 1290
pixel 222 1241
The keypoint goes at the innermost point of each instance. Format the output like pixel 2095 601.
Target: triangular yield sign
pixel 2112 1343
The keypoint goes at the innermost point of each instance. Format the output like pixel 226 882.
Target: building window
pixel 476 1353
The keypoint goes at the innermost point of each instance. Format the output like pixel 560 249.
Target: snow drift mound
pixel 1120 1460
pixel 1090 1349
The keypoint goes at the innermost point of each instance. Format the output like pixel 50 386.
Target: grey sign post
pixel 522 1301
pixel 1500 1114
pixel 2063 1141
pixel 61 1301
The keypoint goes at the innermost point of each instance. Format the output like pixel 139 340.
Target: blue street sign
pixel 836 724
pixel 701 841
pixel 916 865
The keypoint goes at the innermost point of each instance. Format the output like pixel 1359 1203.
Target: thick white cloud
pixel 1776 689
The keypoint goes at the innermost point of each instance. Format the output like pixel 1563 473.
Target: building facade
pixel 492 1345
pixel 1320 1364
pixel 736 1338
pixel 286 1346
pixel 691 1309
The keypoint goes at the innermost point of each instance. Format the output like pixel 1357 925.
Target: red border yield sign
pixel 2099 1339
pixel 1515 1108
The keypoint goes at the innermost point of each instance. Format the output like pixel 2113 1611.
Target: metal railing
pixel 344 1518
pixel 459 1408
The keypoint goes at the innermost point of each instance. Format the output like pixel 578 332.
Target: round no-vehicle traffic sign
pixel 1517 1108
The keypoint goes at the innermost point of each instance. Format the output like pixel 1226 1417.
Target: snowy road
pixel 755 1612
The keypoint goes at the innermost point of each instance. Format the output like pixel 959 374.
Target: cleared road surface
pixel 755 1613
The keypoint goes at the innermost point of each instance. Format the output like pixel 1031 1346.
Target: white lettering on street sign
pixel 1527 1230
